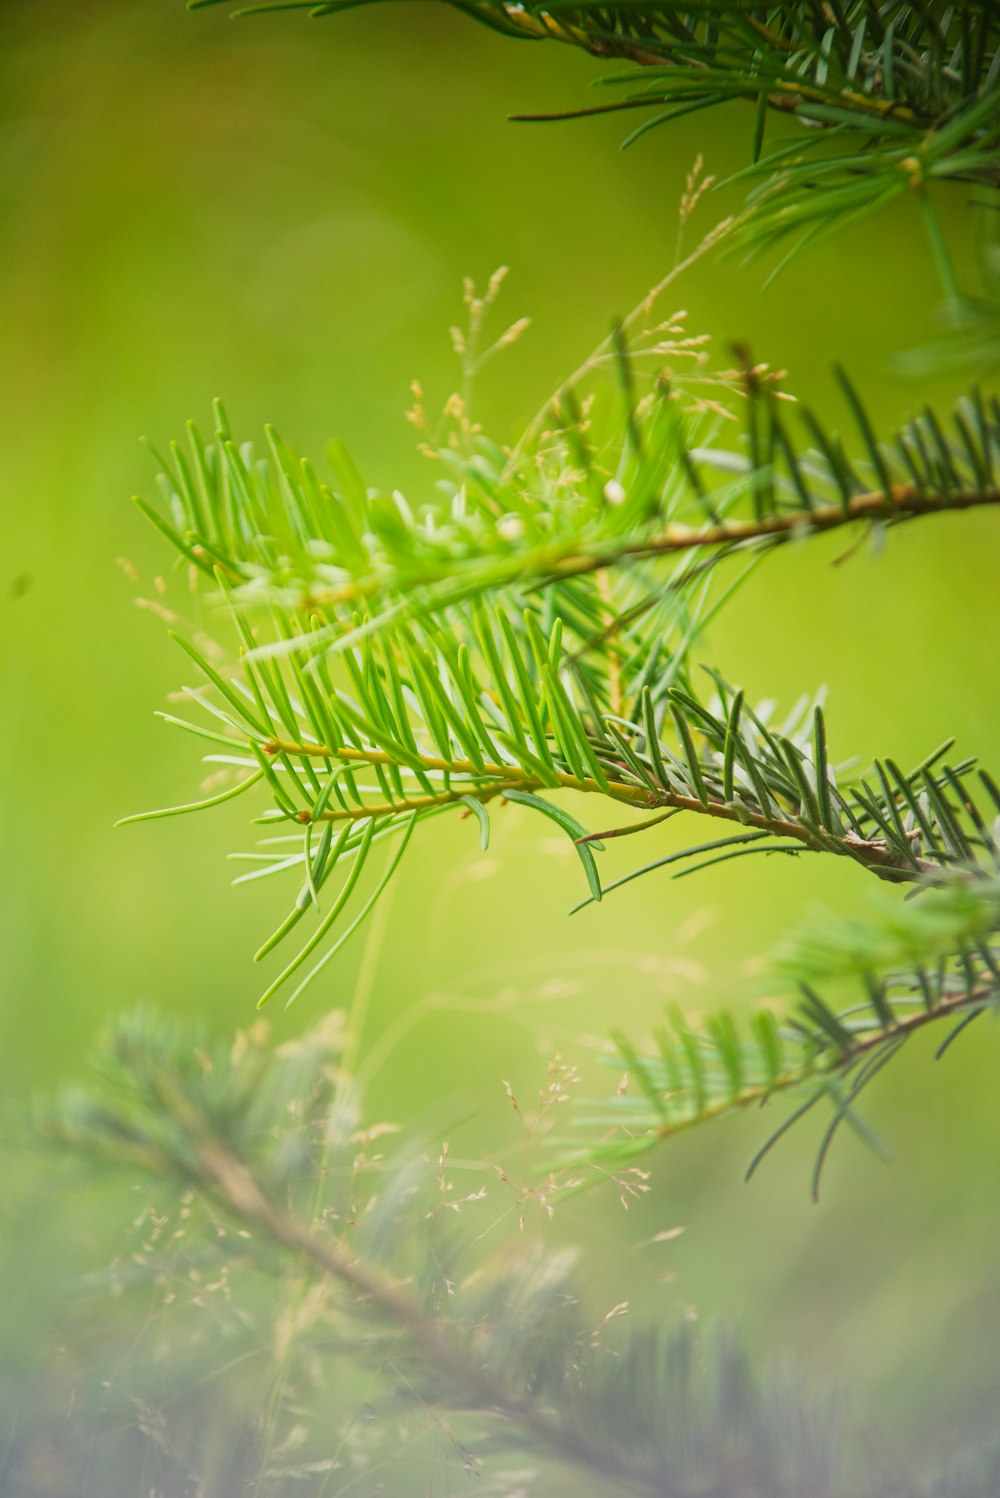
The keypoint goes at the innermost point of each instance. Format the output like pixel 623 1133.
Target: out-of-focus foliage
pixel 267 1200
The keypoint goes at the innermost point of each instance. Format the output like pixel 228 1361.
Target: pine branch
pixel 260 1171
pixel 492 707
pixel 895 858
pixel 891 99
pixel 673 481
pixel 510 1350
pixel 900 502
pixel 170 1128
pixel 932 964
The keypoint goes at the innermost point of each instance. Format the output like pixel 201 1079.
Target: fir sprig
pixel 891 98
pixel 708 462
pixel 934 964
pixel 243 1132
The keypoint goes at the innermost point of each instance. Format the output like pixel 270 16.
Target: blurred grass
pixel 281 214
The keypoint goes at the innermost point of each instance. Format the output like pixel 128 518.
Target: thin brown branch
pixel 364 813
pixel 901 1029
pixel 788 95
pixel 448 1349
pixel 489 780
pixel 904 502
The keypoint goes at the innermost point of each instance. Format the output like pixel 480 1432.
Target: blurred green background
pixel 281 213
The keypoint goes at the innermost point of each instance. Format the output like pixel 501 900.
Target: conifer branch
pixel 902 502
pixel 487 781
pixel 445 1351
pixel 707 462
pixel 423 714
pixel 890 99
pixel 934 964
pixel 507 1349
pixel 509 1356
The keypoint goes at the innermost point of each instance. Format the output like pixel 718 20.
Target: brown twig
pixel 449 1349
pixel 489 780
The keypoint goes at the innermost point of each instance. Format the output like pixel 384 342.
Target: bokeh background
pixel 281 213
